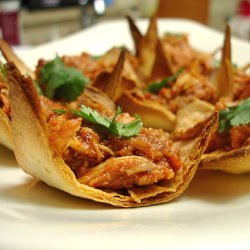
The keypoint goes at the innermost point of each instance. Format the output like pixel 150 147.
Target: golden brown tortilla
pixel 152 113
pixel 145 46
pixel 9 55
pixel 34 155
pixel 236 161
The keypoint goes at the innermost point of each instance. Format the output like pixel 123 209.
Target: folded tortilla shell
pixel 9 55
pixel 224 77
pixel 153 114
pixel 145 45
pixel 191 118
pixel 114 83
pixel 236 161
pixel 34 155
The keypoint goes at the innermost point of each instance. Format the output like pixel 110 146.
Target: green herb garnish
pixel 155 87
pixel 234 116
pixel 62 82
pixel 116 128
pixel 59 111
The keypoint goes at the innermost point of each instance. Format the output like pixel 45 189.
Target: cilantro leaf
pixel 62 82
pixel 127 129
pixel 59 111
pixel 155 87
pixel 116 128
pixel 234 116
pixel 92 115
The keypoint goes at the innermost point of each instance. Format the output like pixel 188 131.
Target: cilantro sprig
pixel 234 116
pixel 59 111
pixel 61 82
pixel 114 127
pixel 155 87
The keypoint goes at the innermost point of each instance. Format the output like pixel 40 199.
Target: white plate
pixel 212 214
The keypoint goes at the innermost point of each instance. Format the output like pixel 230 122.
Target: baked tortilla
pixel 224 76
pixel 191 118
pixel 145 45
pixel 36 157
pixel 114 83
pixel 11 56
pixel 235 161
pixel 152 113
pixel 5 130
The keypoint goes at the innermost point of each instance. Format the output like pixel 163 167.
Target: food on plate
pixel 172 75
pixel 169 84
pixel 103 155
pixel 5 109
pixel 10 55
pixel 118 80
pixel 130 96
pixel 228 148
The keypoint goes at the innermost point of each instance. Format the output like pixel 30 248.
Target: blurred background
pixel 32 22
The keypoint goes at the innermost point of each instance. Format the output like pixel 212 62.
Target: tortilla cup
pixel 11 56
pixel 37 158
pixel 187 126
pixel 5 130
pixel 234 162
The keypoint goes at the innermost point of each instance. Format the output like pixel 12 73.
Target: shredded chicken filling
pixel 182 55
pixel 99 161
pixel 234 138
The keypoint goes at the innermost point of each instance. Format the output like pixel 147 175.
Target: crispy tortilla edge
pixel 234 162
pixel 34 155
